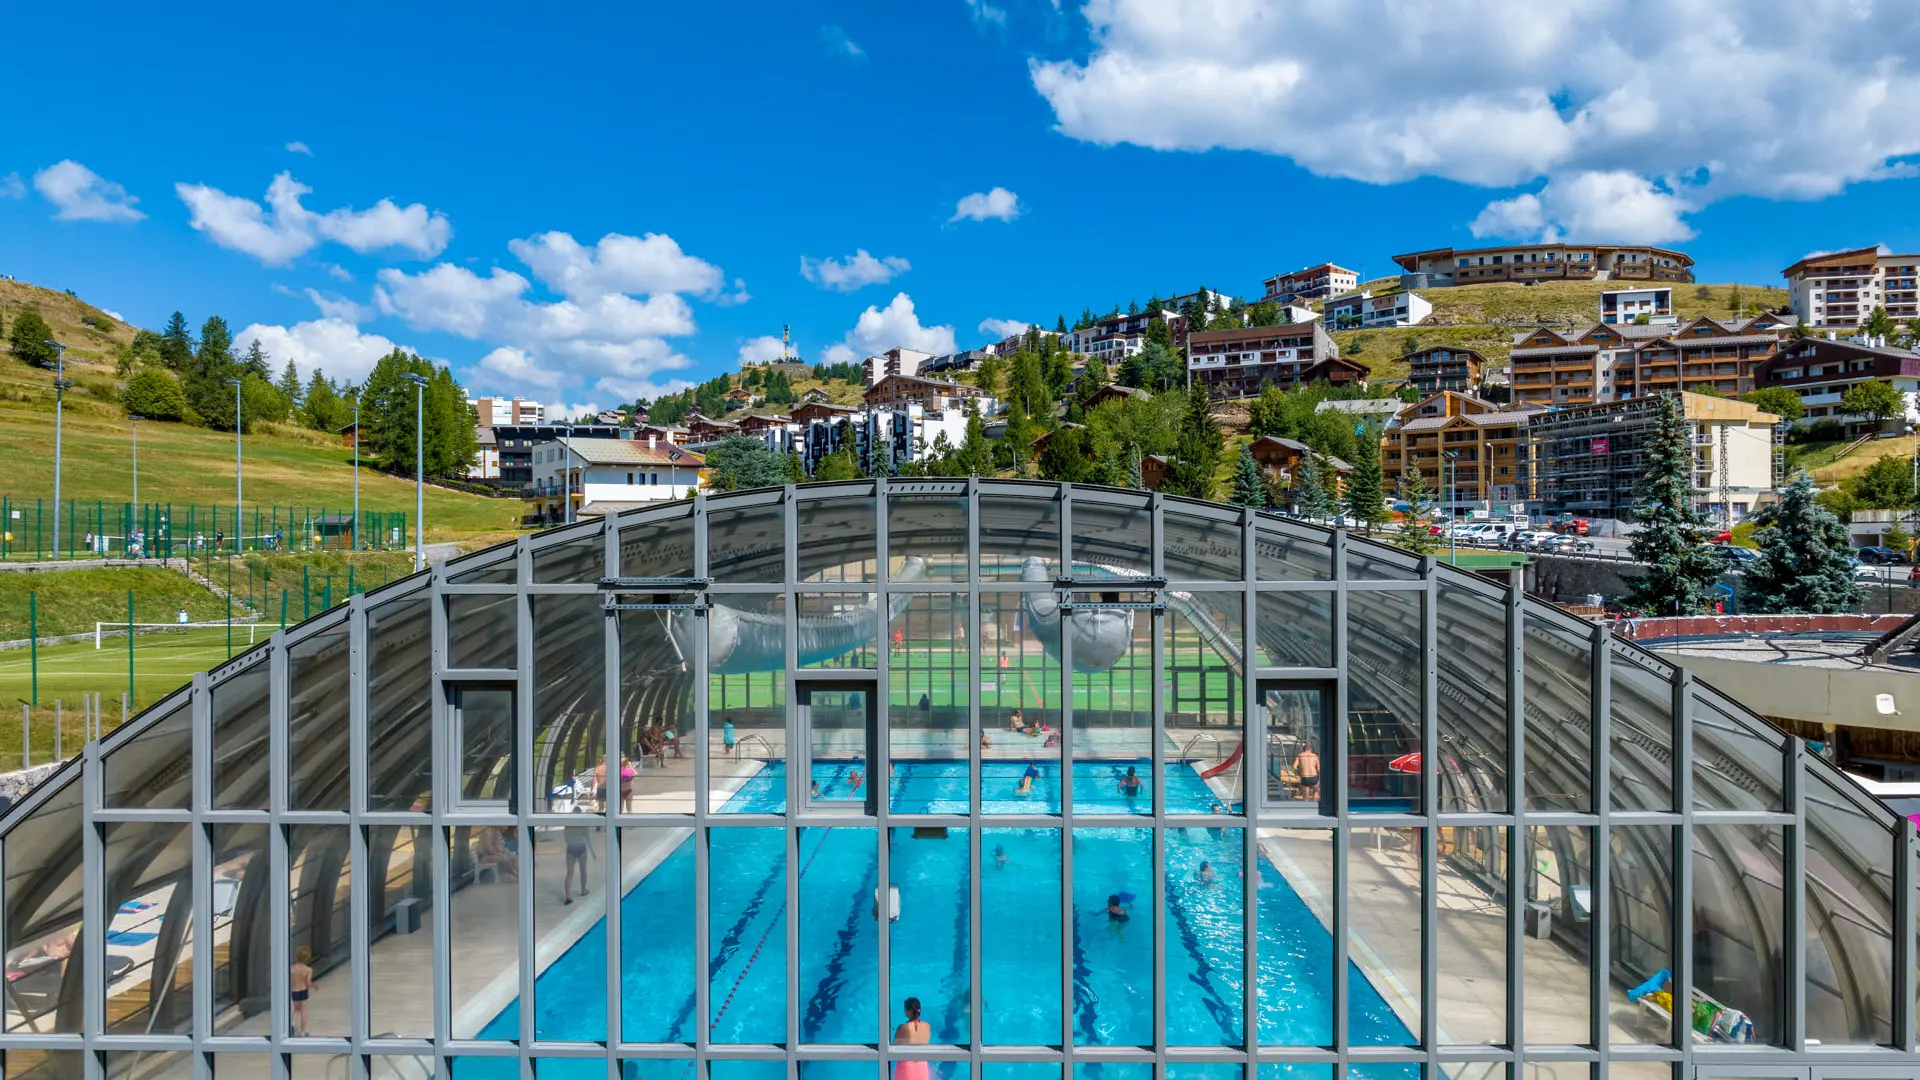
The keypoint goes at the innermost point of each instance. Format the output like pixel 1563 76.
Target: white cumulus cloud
pixel 80 194
pixel 1589 206
pixel 1701 101
pixel 764 349
pixel 331 344
pixel 998 204
pixel 652 263
pixel 283 229
pixel 339 307
pixel 853 272
pixel 1003 328
pixel 896 325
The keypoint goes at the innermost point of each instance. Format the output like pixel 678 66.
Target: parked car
pixel 1567 544
pixel 1737 557
pixel 1881 556
pixel 1529 539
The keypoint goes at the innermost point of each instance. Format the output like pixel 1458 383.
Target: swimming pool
pixel 838 959
pixel 940 787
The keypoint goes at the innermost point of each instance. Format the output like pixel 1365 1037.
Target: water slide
pixel 740 640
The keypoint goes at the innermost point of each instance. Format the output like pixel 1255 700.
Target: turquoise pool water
pixel 838 962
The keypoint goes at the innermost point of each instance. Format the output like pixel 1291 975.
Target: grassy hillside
pixel 285 465
pixel 1485 317
pixel 71 601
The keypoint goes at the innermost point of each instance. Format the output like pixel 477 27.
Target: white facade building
pixel 1365 311
pixel 1842 288
pixel 506 412
pixel 620 472
pixel 1627 305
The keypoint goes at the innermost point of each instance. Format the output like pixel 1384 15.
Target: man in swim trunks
pixel 1307 765
pixel 299 984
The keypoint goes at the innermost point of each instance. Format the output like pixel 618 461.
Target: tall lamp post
pixel 356 474
pixel 135 418
pixel 60 385
pixel 419 470
pixel 239 490
pixel 1453 526
pixel 566 480
pixel 1915 432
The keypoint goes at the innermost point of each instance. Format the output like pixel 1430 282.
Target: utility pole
pixel 1453 524
pixel 419 470
pixel 356 473
pixel 60 385
pixel 134 521
pixel 239 489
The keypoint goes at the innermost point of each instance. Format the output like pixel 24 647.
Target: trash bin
pixel 1539 920
pixel 406 915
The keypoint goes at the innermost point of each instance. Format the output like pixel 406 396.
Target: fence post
pixel 125 704
pixel 33 642
pixel 59 753
pixel 283 609
pixel 26 732
pixel 123 711
pixel 306 593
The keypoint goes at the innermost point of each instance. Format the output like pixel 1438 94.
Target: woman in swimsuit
pixel 1117 917
pixel 915 1032
pixel 1130 783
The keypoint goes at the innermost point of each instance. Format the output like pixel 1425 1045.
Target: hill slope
pixel 88 332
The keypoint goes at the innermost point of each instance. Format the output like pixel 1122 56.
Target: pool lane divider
pixel 776 922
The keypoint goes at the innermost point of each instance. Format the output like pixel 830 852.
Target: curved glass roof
pixel 1534 793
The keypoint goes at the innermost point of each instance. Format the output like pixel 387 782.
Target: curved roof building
pixel 1102 780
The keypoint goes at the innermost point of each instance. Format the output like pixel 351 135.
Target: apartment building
pixel 1628 305
pixel 1444 367
pixel 1843 287
pixel 1600 363
pixel 1365 311
pixel 503 412
pixel 607 476
pixel 1241 360
pixel 486 454
pixel 1471 453
pixel 1441 267
pixel 1280 459
pixel 1312 283
pixel 895 361
pixel 936 395
pixel 515 444
pixel 1116 337
pixel 1822 370
pixel 1588 459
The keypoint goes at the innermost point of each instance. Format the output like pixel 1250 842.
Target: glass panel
pixel 1277 1070
pixel 570 707
pixel 149 938
pixel 746 1070
pixel 1642 725
pixel 1020 957
pixel 656 692
pixel 1737 761
pixel 837 630
pixel 658 549
pixel 837 540
pixel 1850 857
pixel 1384 766
pixel 241 892
pixel 1738 927
pixel 240 721
pixel 658 1068
pixel 1470 915
pixel 1558 947
pixel 242 1067
pixel 1559 709
pixel 1296 724
pixel 483 745
pixel 400 963
pixel 1206 702
pixel 1372 562
pixel 1112 1070
pixel 1113 927
pixel 1640 972
pixel 481 630
pixel 1019 1070
pixel 582 560
pixel 928 948
pixel 747 545
pixel 319 689
pixel 1017 532
pixel 153 768
pixel 838 753
pixel 927 537
pixel 1206 948
pixel 839 938
pixel 484 930
pixel 1281 555
pixel 1205 1070
pixel 50 1064
pixel 569 913
pixel 1383 936
pixel 747 941
pixel 399 705
pixel 1471 645
pixel 927 704
pixel 1111 538
pixel 319 929
pixel 1195 548
pixel 1020 697
pixel 500 570
pixel 747 702
pixel 1294 629
pixel 147 1065
pixel 656 938
pixel 1112 706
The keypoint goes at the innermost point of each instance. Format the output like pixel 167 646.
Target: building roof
pixel 940 385
pixel 1419 356
pixel 1330 268
pixel 1235 333
pixel 1411 260
pixel 1362 406
pixel 632 452
pixel 1555 350
pixel 482 435
pixel 1842 258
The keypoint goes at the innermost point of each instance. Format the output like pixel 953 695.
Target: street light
pixel 1915 432
pixel 419 469
pixel 60 385
pixel 566 480
pixel 356 474
pixel 1447 459
pixel 135 418
pixel 239 492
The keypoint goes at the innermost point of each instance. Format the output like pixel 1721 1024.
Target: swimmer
pixel 1130 784
pixel 1204 875
pixel 814 791
pixel 1027 778
pixel 1117 917
pixel 854 779
pixel 1000 856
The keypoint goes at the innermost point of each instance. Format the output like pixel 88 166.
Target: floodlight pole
pixel 356 474
pixel 419 470
pixel 59 398
pixel 239 486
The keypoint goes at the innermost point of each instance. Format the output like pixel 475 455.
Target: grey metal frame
pixel 1422 577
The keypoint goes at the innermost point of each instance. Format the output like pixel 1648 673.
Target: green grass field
pixel 71 601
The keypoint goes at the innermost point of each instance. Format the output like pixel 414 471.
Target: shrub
pixel 154 393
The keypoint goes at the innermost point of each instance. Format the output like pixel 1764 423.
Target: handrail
pixel 1186 751
pixel 740 747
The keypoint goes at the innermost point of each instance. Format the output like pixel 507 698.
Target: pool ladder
pixel 740 748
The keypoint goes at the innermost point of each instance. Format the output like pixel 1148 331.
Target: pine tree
pixel 255 362
pixel 207 374
pixel 1197 450
pixel 289 383
pixel 1134 479
pixel 1309 496
pixel 974 458
pixel 796 468
pixel 1417 537
pixel 1366 495
pixel 321 408
pixel 176 343
pixel 1249 488
pixel 1680 571
pixel 1804 564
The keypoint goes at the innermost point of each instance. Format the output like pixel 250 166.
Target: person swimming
pixel 1117 917
pixel 1204 875
pixel 1130 784
pixel 1000 856
pixel 1027 778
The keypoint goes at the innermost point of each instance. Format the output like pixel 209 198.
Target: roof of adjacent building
pixel 941 385
pixel 632 452
pixel 1411 260
pixel 1234 333
pixel 1555 350
pixel 1843 258
pixel 1331 268
pixel 1420 356
pixel 482 435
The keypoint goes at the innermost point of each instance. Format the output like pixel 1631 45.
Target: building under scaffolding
pixel 1587 459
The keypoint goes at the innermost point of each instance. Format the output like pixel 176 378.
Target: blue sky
pixel 1136 146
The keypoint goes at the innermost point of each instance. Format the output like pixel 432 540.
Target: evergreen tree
pixel 255 362
pixel 1197 450
pixel 975 456
pixel 1159 334
pixel 1021 431
pixel 1680 571
pixel 176 343
pixel 1092 380
pixel 1805 565
pixel 322 408
pixel 1366 489
pixel 206 377
pixel 1064 458
pixel 1309 496
pixel 289 384
pixel 1060 325
pixel 796 468
pixel 1417 537
pixel 29 340
pixel 741 462
pixel 1249 489
pixel 1879 323
pixel 1134 479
